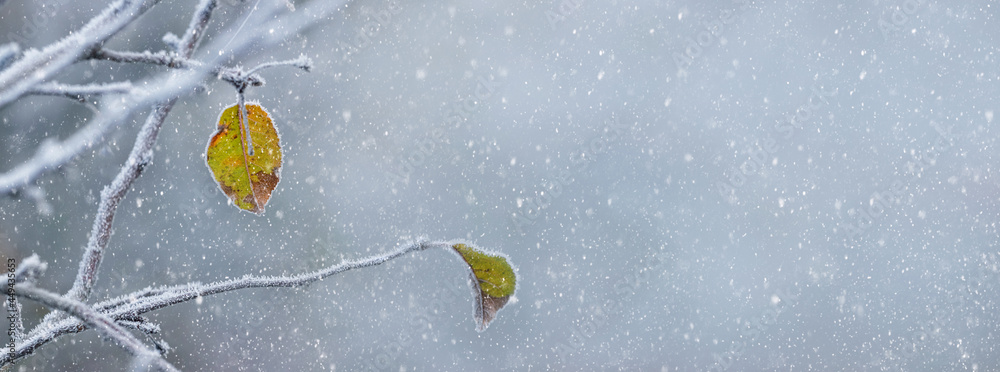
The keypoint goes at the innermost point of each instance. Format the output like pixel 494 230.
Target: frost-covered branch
pixel 52 154
pixel 302 62
pixel 173 60
pixel 111 196
pixel 196 28
pixel 129 307
pixel 93 319
pixel 160 58
pixel 163 297
pixel 241 79
pixel 77 92
pixel 38 66
pixel 142 154
pixel 142 326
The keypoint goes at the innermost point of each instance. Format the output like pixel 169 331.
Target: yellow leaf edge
pixel 486 307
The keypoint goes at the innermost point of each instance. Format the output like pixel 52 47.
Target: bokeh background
pixel 683 185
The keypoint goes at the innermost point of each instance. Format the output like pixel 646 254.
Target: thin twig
pixel 133 305
pixel 111 196
pixel 144 327
pixel 301 62
pixel 39 66
pixel 171 60
pixel 102 323
pixel 161 58
pixel 52 154
pixel 78 91
pixel 103 306
pixel 196 28
pixel 177 294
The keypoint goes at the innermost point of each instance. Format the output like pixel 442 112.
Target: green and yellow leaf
pixel 247 180
pixel 493 281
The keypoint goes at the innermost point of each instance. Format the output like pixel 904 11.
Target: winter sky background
pixel 683 186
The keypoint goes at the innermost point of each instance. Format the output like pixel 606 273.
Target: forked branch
pixel 93 319
pixel 131 306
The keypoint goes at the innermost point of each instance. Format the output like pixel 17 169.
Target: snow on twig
pixel 132 305
pixel 182 293
pixel 301 62
pixel 160 58
pixel 142 326
pixel 102 323
pixel 52 154
pixel 171 60
pixel 142 154
pixel 111 196
pixel 37 66
pixel 78 91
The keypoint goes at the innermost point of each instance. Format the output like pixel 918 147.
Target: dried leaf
pixel 493 281
pixel 248 180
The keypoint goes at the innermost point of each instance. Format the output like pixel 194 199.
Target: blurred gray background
pixel 683 185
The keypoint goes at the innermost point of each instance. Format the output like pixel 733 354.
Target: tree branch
pixel 160 58
pixel 52 154
pixel 301 62
pixel 172 60
pixel 111 196
pixel 177 294
pixel 102 323
pixel 78 91
pixel 133 305
pixel 142 154
pixel 38 66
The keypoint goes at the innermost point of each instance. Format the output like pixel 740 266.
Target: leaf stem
pixel 245 127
